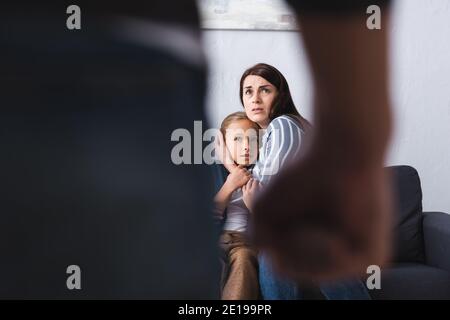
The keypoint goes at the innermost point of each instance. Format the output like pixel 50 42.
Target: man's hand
pixel 249 192
pixel 319 222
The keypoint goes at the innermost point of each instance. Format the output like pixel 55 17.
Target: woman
pixel 265 95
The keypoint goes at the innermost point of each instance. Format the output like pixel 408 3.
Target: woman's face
pixel 258 96
pixel 242 141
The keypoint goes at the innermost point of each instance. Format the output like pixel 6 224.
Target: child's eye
pixel 237 138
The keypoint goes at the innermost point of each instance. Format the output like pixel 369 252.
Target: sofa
pixel 420 266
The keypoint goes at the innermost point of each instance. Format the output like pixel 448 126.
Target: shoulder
pixel 284 124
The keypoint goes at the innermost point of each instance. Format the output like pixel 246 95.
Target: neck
pixel 264 124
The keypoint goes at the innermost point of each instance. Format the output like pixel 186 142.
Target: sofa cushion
pixel 413 281
pixel 408 236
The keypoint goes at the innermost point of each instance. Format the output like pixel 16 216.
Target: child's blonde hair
pixel 236 116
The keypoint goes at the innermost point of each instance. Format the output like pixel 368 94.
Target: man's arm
pixel 349 67
pixel 327 216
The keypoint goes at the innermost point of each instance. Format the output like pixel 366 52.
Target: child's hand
pixel 238 177
pixel 249 191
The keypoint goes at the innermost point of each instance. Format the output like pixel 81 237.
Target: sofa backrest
pixel 408 236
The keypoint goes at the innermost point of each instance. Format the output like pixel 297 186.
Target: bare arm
pixel 327 216
pixel 349 66
pixel 238 177
pixel 222 199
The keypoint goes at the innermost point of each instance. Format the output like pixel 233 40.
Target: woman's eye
pixel 247 91
pixel 265 90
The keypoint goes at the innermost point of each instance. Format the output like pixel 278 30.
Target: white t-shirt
pixel 237 213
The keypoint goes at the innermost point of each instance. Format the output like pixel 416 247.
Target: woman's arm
pixel 283 144
pixel 250 192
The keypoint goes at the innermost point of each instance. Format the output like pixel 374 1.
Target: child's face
pixel 242 141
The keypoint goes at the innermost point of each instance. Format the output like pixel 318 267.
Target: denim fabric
pixel 277 287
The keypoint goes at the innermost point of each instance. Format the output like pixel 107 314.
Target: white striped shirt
pixel 280 144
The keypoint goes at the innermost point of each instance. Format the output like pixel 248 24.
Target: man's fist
pixel 319 222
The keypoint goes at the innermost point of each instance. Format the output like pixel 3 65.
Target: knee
pixel 243 255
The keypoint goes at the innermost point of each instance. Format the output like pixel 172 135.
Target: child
pixel 239 260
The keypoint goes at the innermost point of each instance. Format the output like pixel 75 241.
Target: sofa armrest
pixel 436 232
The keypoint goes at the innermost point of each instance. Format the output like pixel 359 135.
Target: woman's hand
pixel 222 152
pixel 249 192
pixel 238 177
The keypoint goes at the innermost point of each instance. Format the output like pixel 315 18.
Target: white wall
pixel 420 51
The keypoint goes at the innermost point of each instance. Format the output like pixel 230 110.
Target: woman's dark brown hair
pixel 283 104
